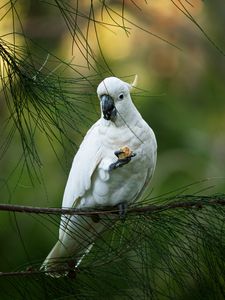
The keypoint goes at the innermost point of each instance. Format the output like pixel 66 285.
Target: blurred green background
pixel 181 90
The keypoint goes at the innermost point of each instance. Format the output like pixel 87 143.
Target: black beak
pixel 108 107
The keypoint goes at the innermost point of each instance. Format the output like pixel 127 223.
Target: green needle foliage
pixel 170 251
pixel 39 101
pixel 168 247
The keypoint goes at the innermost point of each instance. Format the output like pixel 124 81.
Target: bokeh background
pixel 178 56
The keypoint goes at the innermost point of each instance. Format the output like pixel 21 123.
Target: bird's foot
pixel 72 272
pixel 124 155
pixel 95 218
pixel 122 210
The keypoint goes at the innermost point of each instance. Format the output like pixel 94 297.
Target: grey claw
pixel 118 152
pixel 122 210
pixel 121 161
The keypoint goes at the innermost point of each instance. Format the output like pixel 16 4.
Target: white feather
pixel 91 184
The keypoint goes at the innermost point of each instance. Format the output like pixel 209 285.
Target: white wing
pixel 79 181
pixel 85 162
pixel 90 182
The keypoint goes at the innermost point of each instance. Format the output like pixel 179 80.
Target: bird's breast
pixel 114 137
pixel 124 184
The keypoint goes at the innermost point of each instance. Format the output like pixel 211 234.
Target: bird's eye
pixel 121 96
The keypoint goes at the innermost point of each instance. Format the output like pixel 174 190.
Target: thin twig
pixel 21 273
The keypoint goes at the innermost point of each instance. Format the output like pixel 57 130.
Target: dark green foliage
pixel 41 101
pixel 170 253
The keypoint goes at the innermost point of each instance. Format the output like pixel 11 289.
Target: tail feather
pixel 56 263
pixel 76 238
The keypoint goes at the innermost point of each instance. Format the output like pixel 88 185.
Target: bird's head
pixel 114 96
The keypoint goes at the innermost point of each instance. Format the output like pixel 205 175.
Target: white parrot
pixel 112 167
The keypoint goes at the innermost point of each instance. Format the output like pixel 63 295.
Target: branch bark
pixel 193 202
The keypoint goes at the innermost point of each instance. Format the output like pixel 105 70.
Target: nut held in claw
pixel 125 152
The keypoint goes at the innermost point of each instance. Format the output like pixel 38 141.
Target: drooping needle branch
pixel 145 231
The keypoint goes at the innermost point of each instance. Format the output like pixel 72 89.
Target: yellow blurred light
pixel 11 17
pixel 169 8
pixel 114 40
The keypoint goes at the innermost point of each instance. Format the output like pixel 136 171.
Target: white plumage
pixel 96 179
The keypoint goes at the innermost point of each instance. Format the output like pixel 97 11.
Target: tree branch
pixel 192 202
pixel 173 203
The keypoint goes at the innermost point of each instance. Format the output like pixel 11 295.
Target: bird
pixel 112 167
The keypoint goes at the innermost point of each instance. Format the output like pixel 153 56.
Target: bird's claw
pixel 72 269
pixel 122 210
pixel 119 163
pixel 124 157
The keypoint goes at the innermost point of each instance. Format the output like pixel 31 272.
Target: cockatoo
pixel 112 167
